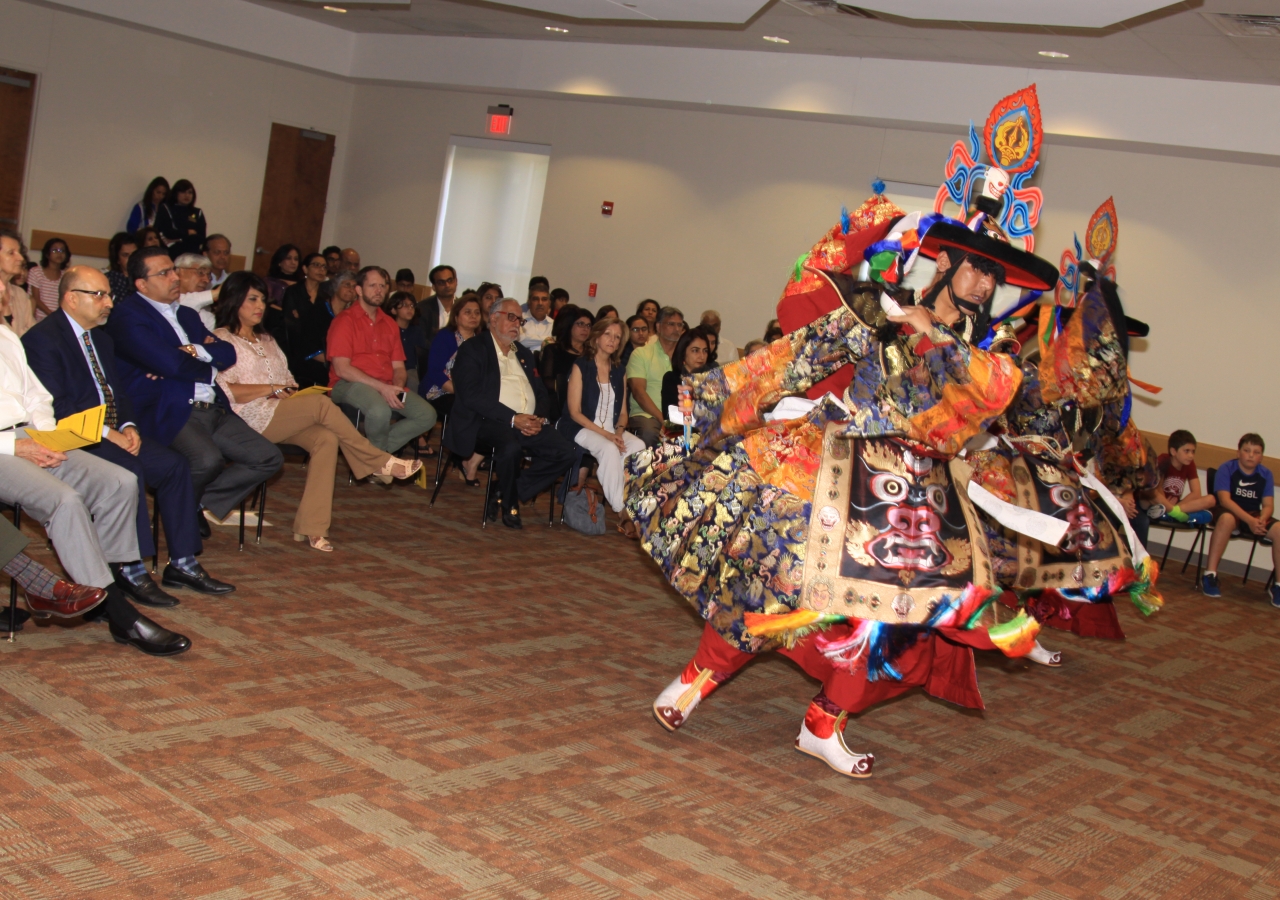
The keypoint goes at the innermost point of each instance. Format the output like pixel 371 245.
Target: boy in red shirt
pixel 1177 473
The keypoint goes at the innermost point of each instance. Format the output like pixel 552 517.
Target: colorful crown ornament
pixel 1099 250
pixel 1012 137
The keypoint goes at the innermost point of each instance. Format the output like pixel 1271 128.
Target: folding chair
pixel 13 583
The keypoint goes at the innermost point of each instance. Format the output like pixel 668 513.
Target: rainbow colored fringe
pixel 1143 591
pixel 790 626
pixel 1016 637
pixel 1139 584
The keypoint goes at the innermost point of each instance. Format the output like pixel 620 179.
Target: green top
pixel 650 362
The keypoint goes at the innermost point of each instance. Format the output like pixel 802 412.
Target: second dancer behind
pixel 261 389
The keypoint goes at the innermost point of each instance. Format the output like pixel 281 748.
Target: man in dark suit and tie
pixel 167 361
pixel 500 401
pixel 75 361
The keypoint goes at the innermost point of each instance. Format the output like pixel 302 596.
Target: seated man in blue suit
pixel 167 360
pixel 75 361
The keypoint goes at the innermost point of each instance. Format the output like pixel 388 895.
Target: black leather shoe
pixel 206 530
pixel 150 638
pixel 146 591
pixel 175 577
pixel 491 510
pixel 511 518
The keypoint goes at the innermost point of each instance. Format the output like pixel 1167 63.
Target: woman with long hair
pixel 489 294
pixel 145 210
pixel 595 412
pixel 147 236
pixel 691 357
pixel 119 249
pixel 261 390
pixel 436 385
pixel 42 280
pixel 569 336
pixel 16 306
pixel 284 272
pixel 301 305
pixel 180 222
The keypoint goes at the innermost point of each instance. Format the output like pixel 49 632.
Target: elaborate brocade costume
pixel 847 538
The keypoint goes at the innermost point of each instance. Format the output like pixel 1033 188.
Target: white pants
pixel 610 459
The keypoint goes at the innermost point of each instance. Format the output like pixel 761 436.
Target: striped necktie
pixel 108 396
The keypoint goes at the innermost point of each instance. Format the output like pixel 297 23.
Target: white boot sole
pixel 1044 657
pixel 835 753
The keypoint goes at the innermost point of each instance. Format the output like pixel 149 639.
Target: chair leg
pixel 262 512
pixel 155 537
pixel 1195 540
pixel 13 584
pixel 442 471
pixel 1249 564
pixel 1167 547
pixel 243 504
pixel 488 492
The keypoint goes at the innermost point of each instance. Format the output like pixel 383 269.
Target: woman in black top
pixel 119 250
pixel 689 358
pixel 180 222
pixel 299 305
pixel 569 334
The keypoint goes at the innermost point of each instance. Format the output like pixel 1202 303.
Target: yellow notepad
pixel 314 389
pixel 73 432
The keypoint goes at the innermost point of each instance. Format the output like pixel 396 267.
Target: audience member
pixel 16 305
pixel 488 293
pixel 180 222
pixel 637 336
pixel 367 367
pixel 401 307
pixel 193 285
pixel 645 371
pixel 608 311
pixel 306 322
pixel 119 249
pixel 463 324
pixel 333 260
pixel 218 248
pixel 538 323
pixel 649 309
pixel 772 331
pixel 182 406
pixel 88 506
pixel 407 282
pixel 719 354
pixel 351 260
pixel 753 346
pixel 569 336
pixel 500 402
pixel 145 210
pixel 147 236
pixel 559 300
pixel 595 415
pixel 42 280
pixel 539 281
pixel 1246 504
pixel 434 311
pixel 691 356
pixel 75 360
pixel 47 594
pixel 283 273
pixel 261 390
pixel 1178 472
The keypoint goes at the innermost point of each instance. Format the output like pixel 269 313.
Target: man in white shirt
pixel 537 322
pixel 725 351
pixel 217 247
pixel 87 505
pixel 194 280
pixel 168 360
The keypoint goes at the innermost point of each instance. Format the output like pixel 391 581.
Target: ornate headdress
pixel 1099 250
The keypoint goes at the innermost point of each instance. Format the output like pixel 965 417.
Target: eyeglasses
pixel 101 295
pixel 162 273
pixel 61 250
pixel 518 319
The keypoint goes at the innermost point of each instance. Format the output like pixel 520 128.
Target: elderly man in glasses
pixel 76 362
pixel 500 402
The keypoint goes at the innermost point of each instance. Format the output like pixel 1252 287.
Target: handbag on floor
pixel 584 512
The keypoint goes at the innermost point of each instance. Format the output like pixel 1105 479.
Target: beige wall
pixel 712 210
pixel 117 106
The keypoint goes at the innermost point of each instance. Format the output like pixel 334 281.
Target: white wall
pixel 117 106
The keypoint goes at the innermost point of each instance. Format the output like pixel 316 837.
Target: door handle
pixel 259 250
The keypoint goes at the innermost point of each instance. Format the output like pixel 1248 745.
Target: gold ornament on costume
pixel 961 555
pixel 1011 140
pixel 856 535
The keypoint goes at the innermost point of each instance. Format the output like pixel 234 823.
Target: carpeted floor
pixel 436 711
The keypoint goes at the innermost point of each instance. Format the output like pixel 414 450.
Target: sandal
pixel 318 542
pixel 399 469
pixel 627 528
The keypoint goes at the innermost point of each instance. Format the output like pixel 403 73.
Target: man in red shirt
pixel 367 367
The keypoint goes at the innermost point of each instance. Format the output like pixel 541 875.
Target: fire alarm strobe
pixel 606 208
pixel 500 119
pixel 591 289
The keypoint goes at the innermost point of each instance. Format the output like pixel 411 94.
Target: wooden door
pixel 17 100
pixel 293 193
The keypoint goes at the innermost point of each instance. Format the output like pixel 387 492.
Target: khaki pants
pixel 317 425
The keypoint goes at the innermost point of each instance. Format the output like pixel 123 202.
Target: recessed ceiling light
pixel 1055 54
pixel 557 30
pixel 335 9
pixel 776 40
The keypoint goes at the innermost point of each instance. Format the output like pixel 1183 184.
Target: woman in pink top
pixel 42 280
pixel 261 390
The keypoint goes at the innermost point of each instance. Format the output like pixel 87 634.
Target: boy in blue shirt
pixel 1246 501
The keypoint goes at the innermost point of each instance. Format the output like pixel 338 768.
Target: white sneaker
pixel 1038 654
pixel 833 751
pixel 678 700
pixel 233 519
pixel 1156 511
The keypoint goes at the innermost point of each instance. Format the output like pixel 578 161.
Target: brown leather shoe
pixel 68 601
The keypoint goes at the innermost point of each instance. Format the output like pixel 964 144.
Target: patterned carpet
pixel 434 711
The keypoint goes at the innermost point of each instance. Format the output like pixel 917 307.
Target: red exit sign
pixel 500 119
